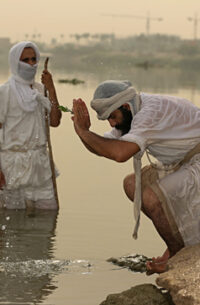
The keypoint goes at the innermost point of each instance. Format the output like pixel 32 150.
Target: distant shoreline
pixel 107 51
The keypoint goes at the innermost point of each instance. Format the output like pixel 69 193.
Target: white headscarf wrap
pixel 23 76
pixel 108 97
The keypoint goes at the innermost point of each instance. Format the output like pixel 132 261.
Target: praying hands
pixel 81 117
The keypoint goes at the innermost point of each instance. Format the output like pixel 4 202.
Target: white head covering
pixel 15 54
pixel 23 76
pixel 112 94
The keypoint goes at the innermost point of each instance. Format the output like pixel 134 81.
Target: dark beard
pixel 125 126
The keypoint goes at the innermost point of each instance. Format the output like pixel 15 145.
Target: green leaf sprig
pixel 65 109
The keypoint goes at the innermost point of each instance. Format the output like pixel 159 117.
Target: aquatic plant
pixel 65 109
pixel 73 81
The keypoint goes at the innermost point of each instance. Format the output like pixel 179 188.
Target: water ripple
pixel 37 268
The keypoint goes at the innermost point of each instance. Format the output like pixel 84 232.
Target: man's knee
pixel 129 186
pixel 150 201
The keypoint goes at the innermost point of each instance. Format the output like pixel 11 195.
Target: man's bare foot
pixel 164 257
pixel 155 267
pixel 158 264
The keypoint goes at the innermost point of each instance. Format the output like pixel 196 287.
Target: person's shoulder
pixel 152 96
pixel 150 101
pixel 149 97
pixel 4 96
pixel 4 87
pixel 156 100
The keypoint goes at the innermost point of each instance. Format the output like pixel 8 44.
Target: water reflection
pixel 26 256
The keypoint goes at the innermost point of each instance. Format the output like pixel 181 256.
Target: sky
pixel 62 18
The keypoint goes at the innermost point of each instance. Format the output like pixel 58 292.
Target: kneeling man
pixel 165 127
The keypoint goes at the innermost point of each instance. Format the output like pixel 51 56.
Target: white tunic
pixel 168 127
pixel 23 156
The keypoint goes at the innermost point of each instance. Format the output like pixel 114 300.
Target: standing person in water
pixel 25 173
pixel 165 127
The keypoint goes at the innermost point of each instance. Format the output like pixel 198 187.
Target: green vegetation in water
pixel 73 81
pixel 134 262
pixel 65 109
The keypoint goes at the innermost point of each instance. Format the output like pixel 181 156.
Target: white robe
pixel 23 156
pixel 168 127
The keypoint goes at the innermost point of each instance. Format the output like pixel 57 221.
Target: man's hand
pixel 46 79
pixel 55 115
pixel 2 180
pixel 81 116
pixel 113 149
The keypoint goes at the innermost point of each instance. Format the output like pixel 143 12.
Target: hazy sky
pixel 51 18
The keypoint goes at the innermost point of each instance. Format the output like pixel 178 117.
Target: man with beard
pixel 166 127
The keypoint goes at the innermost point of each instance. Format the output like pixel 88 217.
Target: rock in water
pixel 183 277
pixel 134 262
pixel 146 294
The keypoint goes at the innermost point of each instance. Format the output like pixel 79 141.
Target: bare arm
pixel 55 114
pixel 117 150
pixel 89 148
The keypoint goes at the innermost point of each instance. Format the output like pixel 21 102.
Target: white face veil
pixel 23 76
pixel 15 54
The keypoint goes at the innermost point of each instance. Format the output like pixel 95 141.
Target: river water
pixel 60 258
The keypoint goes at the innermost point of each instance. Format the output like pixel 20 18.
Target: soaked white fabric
pixel 23 156
pixel 23 198
pixel 182 191
pixel 163 125
pixel 168 127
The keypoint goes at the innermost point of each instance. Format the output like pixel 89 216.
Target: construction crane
pixel 195 21
pixel 148 19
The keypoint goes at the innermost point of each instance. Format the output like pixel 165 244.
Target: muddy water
pixel 60 259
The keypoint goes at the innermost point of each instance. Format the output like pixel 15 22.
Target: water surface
pixel 58 259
